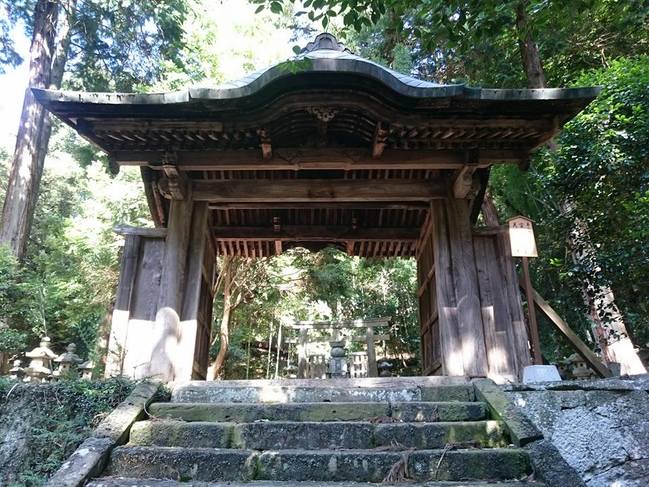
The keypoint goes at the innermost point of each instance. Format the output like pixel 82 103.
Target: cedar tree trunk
pixel 24 176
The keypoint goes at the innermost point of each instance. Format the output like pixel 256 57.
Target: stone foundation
pixel 599 427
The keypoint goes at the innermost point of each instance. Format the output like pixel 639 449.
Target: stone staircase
pixel 426 431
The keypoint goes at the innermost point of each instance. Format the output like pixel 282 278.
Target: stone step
pixel 131 482
pixel 413 411
pixel 277 435
pixel 346 390
pixel 207 464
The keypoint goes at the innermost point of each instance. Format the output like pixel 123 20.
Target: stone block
pixel 533 374
pixel 438 435
pixel 248 413
pixel 415 411
pixel 277 435
pixel 521 430
pixel 178 433
pixel 88 460
pixel 183 464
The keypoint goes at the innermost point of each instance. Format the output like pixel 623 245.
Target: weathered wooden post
pixel 372 370
pixel 460 322
pixel 301 352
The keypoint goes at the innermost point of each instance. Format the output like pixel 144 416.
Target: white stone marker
pixel 540 373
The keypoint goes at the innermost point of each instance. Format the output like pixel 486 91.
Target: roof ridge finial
pixel 325 41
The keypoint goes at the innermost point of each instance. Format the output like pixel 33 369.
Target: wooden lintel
pixel 317 190
pixel 361 323
pixel 362 205
pixel 316 233
pixel 317 158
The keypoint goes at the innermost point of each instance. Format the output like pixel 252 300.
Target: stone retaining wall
pixel 600 427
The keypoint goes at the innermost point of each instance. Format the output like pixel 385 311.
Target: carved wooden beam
pixel 463 182
pixel 317 190
pixel 380 138
pixel 174 184
pixel 265 144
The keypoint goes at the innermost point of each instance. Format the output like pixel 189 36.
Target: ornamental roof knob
pixel 325 41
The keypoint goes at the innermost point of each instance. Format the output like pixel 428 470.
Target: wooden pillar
pixel 461 331
pixel 166 331
pixel 186 351
pixel 372 368
pixel 301 353
pixel 517 330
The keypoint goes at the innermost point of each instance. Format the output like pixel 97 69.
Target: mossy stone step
pixel 277 435
pixel 207 464
pixel 218 392
pixel 131 482
pixel 321 411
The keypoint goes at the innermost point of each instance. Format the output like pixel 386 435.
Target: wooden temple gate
pixel 339 151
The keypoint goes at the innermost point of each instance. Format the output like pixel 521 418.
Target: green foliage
pixel 58 416
pixel 324 285
pixel 9 14
pixel 600 168
pixel 121 45
pixel 66 284
pixel 478 40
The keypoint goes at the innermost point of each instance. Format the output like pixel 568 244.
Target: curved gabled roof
pixel 324 55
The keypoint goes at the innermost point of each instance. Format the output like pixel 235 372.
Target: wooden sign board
pixel 521 237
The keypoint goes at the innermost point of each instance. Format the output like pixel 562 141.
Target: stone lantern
pixel 17 372
pixel 68 362
pixel 40 365
pixel 338 360
pixel 579 368
pixel 86 369
pixel 385 368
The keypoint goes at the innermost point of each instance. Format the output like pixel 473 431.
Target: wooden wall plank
pixel 450 342
pixel 122 310
pixel 519 337
pixel 467 296
pixel 496 318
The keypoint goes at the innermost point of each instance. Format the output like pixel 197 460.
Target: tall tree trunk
pixel 489 211
pixel 61 53
pixel 216 371
pixel 607 321
pixel 528 48
pixel 24 177
pixel 103 336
